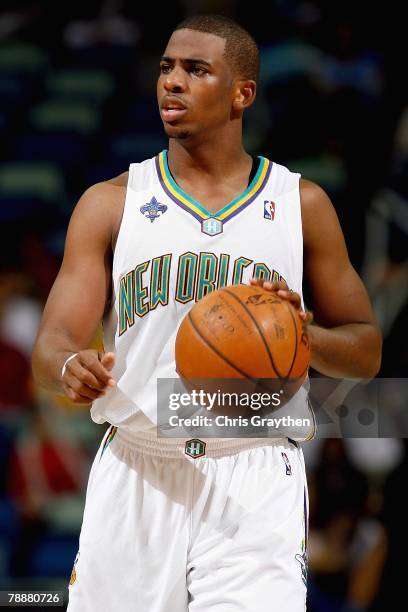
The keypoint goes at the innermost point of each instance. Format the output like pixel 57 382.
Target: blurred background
pixel 77 105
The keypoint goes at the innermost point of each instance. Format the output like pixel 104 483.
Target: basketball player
pixel 218 525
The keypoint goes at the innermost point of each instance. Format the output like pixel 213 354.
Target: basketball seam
pixel 302 374
pixel 217 352
pixel 260 333
pixel 288 308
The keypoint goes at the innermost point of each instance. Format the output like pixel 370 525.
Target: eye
pixel 197 70
pixel 165 68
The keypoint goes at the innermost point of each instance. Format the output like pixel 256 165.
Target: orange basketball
pixel 244 332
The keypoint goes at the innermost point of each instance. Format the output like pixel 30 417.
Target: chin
pixel 183 135
pixel 177 133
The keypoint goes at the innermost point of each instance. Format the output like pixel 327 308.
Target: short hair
pixel 241 50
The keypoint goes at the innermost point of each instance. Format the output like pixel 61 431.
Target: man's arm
pixel 345 337
pixel 78 297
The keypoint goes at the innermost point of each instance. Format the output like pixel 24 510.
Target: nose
pixel 175 80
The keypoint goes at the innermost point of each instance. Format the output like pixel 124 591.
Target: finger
pixel 108 360
pixel 276 285
pixel 80 389
pixel 84 375
pixel 291 296
pixel 257 282
pixel 81 401
pixel 75 397
pixel 92 363
pixel 68 392
pixel 307 317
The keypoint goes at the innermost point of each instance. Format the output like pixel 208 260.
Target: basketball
pixel 244 332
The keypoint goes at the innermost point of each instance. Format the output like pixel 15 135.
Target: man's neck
pixel 207 162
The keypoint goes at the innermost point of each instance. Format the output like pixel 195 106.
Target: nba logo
pixel 269 210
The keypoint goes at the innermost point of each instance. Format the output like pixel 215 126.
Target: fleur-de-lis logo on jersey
pixel 153 209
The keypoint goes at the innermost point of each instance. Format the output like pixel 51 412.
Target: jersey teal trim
pixel 202 208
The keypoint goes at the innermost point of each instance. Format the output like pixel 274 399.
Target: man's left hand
pixel 281 288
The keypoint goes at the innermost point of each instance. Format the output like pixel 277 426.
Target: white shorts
pixel 163 532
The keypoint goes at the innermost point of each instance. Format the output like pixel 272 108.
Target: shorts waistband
pixel 150 444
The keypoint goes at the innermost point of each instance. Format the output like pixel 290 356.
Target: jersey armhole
pixel 129 182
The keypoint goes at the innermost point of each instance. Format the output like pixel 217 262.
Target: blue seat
pixel 121 151
pixel 14 90
pixel 53 556
pixel 13 208
pixel 56 115
pixel 67 149
pixel 135 147
pixel 22 58
pixel 9 520
pixel 105 56
pixel 104 171
pixel 143 117
pixel 30 186
pixel 9 528
pixel 31 179
pixel 81 84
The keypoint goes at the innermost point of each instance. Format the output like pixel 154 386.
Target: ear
pixel 244 95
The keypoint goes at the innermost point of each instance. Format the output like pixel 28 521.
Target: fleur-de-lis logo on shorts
pixel 73 577
pixel 287 464
pixel 302 558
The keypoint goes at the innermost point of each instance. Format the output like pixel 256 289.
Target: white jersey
pixel 170 252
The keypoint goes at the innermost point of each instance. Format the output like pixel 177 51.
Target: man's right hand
pixel 87 376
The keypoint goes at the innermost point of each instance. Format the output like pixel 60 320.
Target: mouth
pixel 172 109
pixel 172 114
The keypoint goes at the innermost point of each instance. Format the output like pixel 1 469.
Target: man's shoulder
pixel 109 188
pixel 101 206
pixel 105 195
pixel 310 190
pixel 313 197
pixel 318 212
pixel 119 181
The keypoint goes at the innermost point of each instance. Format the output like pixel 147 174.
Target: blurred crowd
pixel 77 105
